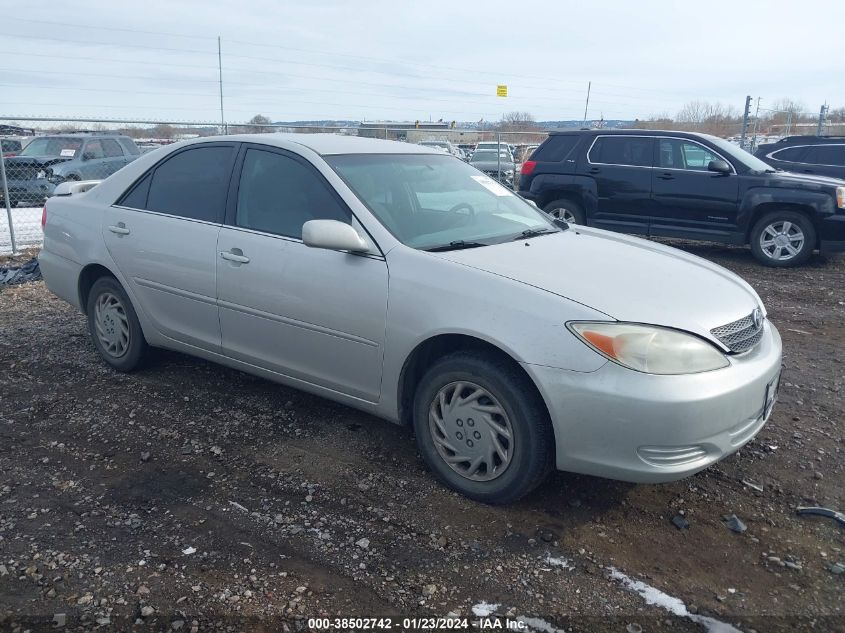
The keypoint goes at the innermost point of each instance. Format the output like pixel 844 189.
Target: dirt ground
pixel 189 496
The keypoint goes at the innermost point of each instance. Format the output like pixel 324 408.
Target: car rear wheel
pixel 482 427
pixel 566 210
pixel 783 238
pixel 114 326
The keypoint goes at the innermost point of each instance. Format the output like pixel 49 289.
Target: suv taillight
pixel 44 217
pixel 528 166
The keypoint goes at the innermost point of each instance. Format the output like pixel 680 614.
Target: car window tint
pixel 93 149
pixel 192 184
pixel 111 149
pixel 830 155
pixel 556 148
pixel 792 154
pixel 622 150
pixel 278 194
pixel 129 146
pixel 136 197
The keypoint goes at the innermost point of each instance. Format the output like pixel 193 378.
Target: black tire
pixel 768 256
pixel 559 208
pixel 136 350
pixel 532 448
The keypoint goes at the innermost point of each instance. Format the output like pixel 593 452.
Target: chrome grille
pixel 740 335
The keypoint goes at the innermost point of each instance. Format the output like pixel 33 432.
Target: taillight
pixel 528 167
pixel 43 217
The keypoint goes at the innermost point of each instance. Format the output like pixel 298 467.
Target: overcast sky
pixel 403 60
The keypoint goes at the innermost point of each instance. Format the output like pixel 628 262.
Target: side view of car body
pixel 49 160
pixel 407 284
pixel 820 155
pixel 688 186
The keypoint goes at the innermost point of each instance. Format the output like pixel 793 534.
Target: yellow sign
pixel 501 91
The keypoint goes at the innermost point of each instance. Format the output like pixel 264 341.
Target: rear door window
pixel 93 150
pixel 830 155
pixel 193 183
pixel 635 151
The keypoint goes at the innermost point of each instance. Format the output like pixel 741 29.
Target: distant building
pixel 397 130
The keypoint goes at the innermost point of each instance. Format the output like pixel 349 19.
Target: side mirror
pixel 333 235
pixel 719 166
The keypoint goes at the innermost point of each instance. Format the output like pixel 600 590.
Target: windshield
pixel 751 162
pixel 488 156
pixel 428 201
pixel 58 147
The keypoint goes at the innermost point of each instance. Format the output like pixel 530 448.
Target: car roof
pixel 82 135
pixel 809 140
pixel 632 132
pixel 323 144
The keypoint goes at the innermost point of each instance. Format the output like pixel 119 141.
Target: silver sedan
pixel 408 284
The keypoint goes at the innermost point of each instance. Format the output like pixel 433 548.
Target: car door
pixel 162 234
pixel 621 168
pixel 314 315
pixel 689 200
pixel 114 158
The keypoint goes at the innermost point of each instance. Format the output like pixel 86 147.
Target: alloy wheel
pixel 563 214
pixel 782 240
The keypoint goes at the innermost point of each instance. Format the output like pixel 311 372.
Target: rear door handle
pixel 235 255
pixel 119 229
pixel 594 170
pixel 666 176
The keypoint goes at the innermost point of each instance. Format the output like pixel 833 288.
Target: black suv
pixel 685 185
pixel 822 155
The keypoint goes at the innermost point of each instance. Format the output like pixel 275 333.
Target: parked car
pixel 822 155
pixel 404 283
pixel 496 165
pixel 685 185
pixel 492 146
pixel 10 147
pixel 48 160
pixel 444 145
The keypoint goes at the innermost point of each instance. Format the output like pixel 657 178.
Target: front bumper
pixel 622 424
pixel 832 234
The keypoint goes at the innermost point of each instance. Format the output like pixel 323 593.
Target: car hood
pixel 492 165
pixel 36 161
pixel 801 181
pixel 626 278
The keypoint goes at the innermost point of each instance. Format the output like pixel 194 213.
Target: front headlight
pixel 840 197
pixel 649 348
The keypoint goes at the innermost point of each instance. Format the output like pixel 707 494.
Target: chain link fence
pixel 38 155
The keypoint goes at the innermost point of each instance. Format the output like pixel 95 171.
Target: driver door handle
pixel 235 255
pixel 119 229
pixel 666 176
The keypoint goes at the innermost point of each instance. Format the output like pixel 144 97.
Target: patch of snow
pixel 483 609
pixel 559 562
pixel 536 624
pixel 27 224
pixel 189 550
pixel 675 606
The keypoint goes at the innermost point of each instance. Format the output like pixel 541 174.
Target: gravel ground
pixel 190 496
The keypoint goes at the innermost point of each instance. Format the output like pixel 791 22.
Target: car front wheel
pixel 482 427
pixel 783 238
pixel 114 326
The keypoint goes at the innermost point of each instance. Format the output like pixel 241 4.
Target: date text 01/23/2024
pixel 416 624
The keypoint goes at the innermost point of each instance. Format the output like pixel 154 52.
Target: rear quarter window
pixel 830 155
pixel 793 154
pixel 555 148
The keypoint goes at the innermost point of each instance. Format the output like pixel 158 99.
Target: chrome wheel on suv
pixel 565 210
pixel 783 238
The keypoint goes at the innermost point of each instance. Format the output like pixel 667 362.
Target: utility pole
pixel 745 121
pixel 822 117
pixel 756 126
pixel 6 201
pixel 220 72
pixel 788 123
pixel 587 105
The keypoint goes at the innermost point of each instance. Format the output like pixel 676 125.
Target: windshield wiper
pixel 454 246
pixel 533 232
